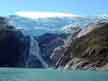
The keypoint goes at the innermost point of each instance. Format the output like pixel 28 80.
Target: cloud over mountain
pixel 35 15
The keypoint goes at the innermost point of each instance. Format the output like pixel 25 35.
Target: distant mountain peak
pixel 36 15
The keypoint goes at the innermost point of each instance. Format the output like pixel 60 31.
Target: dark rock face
pixel 12 43
pixel 47 43
pixel 88 50
pixel 16 49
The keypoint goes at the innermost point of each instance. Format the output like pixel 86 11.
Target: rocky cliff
pixel 88 49
pixel 17 49
pixel 12 45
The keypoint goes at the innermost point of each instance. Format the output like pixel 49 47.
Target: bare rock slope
pixel 87 50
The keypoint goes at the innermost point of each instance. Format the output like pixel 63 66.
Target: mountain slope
pixel 49 23
pixel 87 51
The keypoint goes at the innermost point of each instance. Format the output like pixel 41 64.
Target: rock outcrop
pixel 88 49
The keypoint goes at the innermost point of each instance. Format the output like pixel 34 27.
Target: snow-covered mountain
pixel 38 23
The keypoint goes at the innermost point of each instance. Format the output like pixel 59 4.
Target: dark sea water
pixel 15 74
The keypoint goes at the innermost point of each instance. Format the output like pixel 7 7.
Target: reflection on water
pixel 13 74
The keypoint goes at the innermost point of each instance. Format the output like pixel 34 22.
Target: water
pixel 15 74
